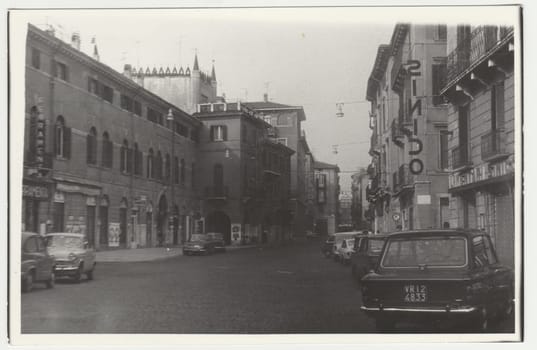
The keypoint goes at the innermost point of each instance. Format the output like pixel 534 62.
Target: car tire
pixel 384 325
pixel 78 274
pixel 28 282
pixel 89 274
pixel 52 281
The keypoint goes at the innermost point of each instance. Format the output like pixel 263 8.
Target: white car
pixel 345 251
pixel 73 254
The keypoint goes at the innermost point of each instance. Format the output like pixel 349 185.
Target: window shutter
pixel 212 133
pixel 89 149
pixel 122 159
pixel 67 142
pixel 500 107
pixel 224 132
pixel 129 160
pixel 110 154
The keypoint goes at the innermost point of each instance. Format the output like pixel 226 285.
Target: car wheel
pixel 78 274
pixel 52 281
pixel 89 274
pixel 28 282
pixel 384 325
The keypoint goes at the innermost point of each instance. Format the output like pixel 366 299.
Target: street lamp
pixel 171 121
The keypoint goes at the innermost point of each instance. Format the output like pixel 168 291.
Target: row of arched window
pixel 158 167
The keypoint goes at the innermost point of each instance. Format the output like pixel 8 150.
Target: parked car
pixel 36 263
pixel 366 255
pixel 328 245
pixel 218 240
pixel 199 244
pixel 73 253
pixel 429 275
pixel 339 238
pixel 345 250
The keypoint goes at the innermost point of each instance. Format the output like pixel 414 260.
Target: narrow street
pixel 290 289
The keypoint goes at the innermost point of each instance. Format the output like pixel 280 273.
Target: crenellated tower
pixel 183 87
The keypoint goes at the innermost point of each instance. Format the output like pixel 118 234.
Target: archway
pixel 161 219
pixel 218 221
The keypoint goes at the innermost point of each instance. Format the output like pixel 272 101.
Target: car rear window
pixel 375 245
pixel 425 251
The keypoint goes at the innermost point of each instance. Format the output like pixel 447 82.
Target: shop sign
pixel 424 199
pixel 35 191
pixel 480 173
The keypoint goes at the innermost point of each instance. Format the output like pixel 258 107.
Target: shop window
pixel 58 217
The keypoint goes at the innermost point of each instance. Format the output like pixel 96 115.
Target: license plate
pixel 415 293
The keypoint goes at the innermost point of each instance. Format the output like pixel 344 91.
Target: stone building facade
pixel 88 167
pixel 327 198
pixel 409 168
pixel 245 174
pixel 480 89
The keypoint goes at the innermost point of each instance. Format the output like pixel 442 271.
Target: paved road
pixel 290 289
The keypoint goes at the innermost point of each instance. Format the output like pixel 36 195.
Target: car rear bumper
pixel 422 313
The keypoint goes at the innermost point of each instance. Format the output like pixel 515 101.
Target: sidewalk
pixel 148 254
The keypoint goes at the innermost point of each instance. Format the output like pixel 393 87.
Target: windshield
pixel 197 237
pixel 375 245
pixel 68 242
pixel 428 251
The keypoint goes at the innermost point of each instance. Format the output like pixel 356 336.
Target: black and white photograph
pixel 288 171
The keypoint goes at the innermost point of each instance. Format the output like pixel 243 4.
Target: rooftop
pixel 323 165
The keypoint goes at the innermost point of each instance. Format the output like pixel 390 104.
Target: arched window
pixel 158 166
pixel 150 164
pixel 107 155
pixel 124 159
pixel 91 146
pixel 138 158
pixel 167 167
pixel 62 139
pixel 175 170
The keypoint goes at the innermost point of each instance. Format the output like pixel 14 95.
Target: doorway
pixel 218 221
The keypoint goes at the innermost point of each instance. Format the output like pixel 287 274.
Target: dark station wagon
pixel 429 275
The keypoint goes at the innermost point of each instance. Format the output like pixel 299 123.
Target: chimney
pixel 127 70
pixel 265 97
pixel 75 40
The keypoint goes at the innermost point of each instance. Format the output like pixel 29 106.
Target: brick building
pixel 409 168
pixel 480 88
pixel 245 174
pixel 88 167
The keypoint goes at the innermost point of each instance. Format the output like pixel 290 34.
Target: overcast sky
pixel 314 58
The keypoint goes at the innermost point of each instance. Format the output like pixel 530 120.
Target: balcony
pixel 402 179
pixel 483 42
pixel 493 146
pixel 460 157
pixel 216 192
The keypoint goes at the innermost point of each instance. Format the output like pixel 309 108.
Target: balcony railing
pixel 216 192
pixel 459 156
pixel 492 145
pixel 481 41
